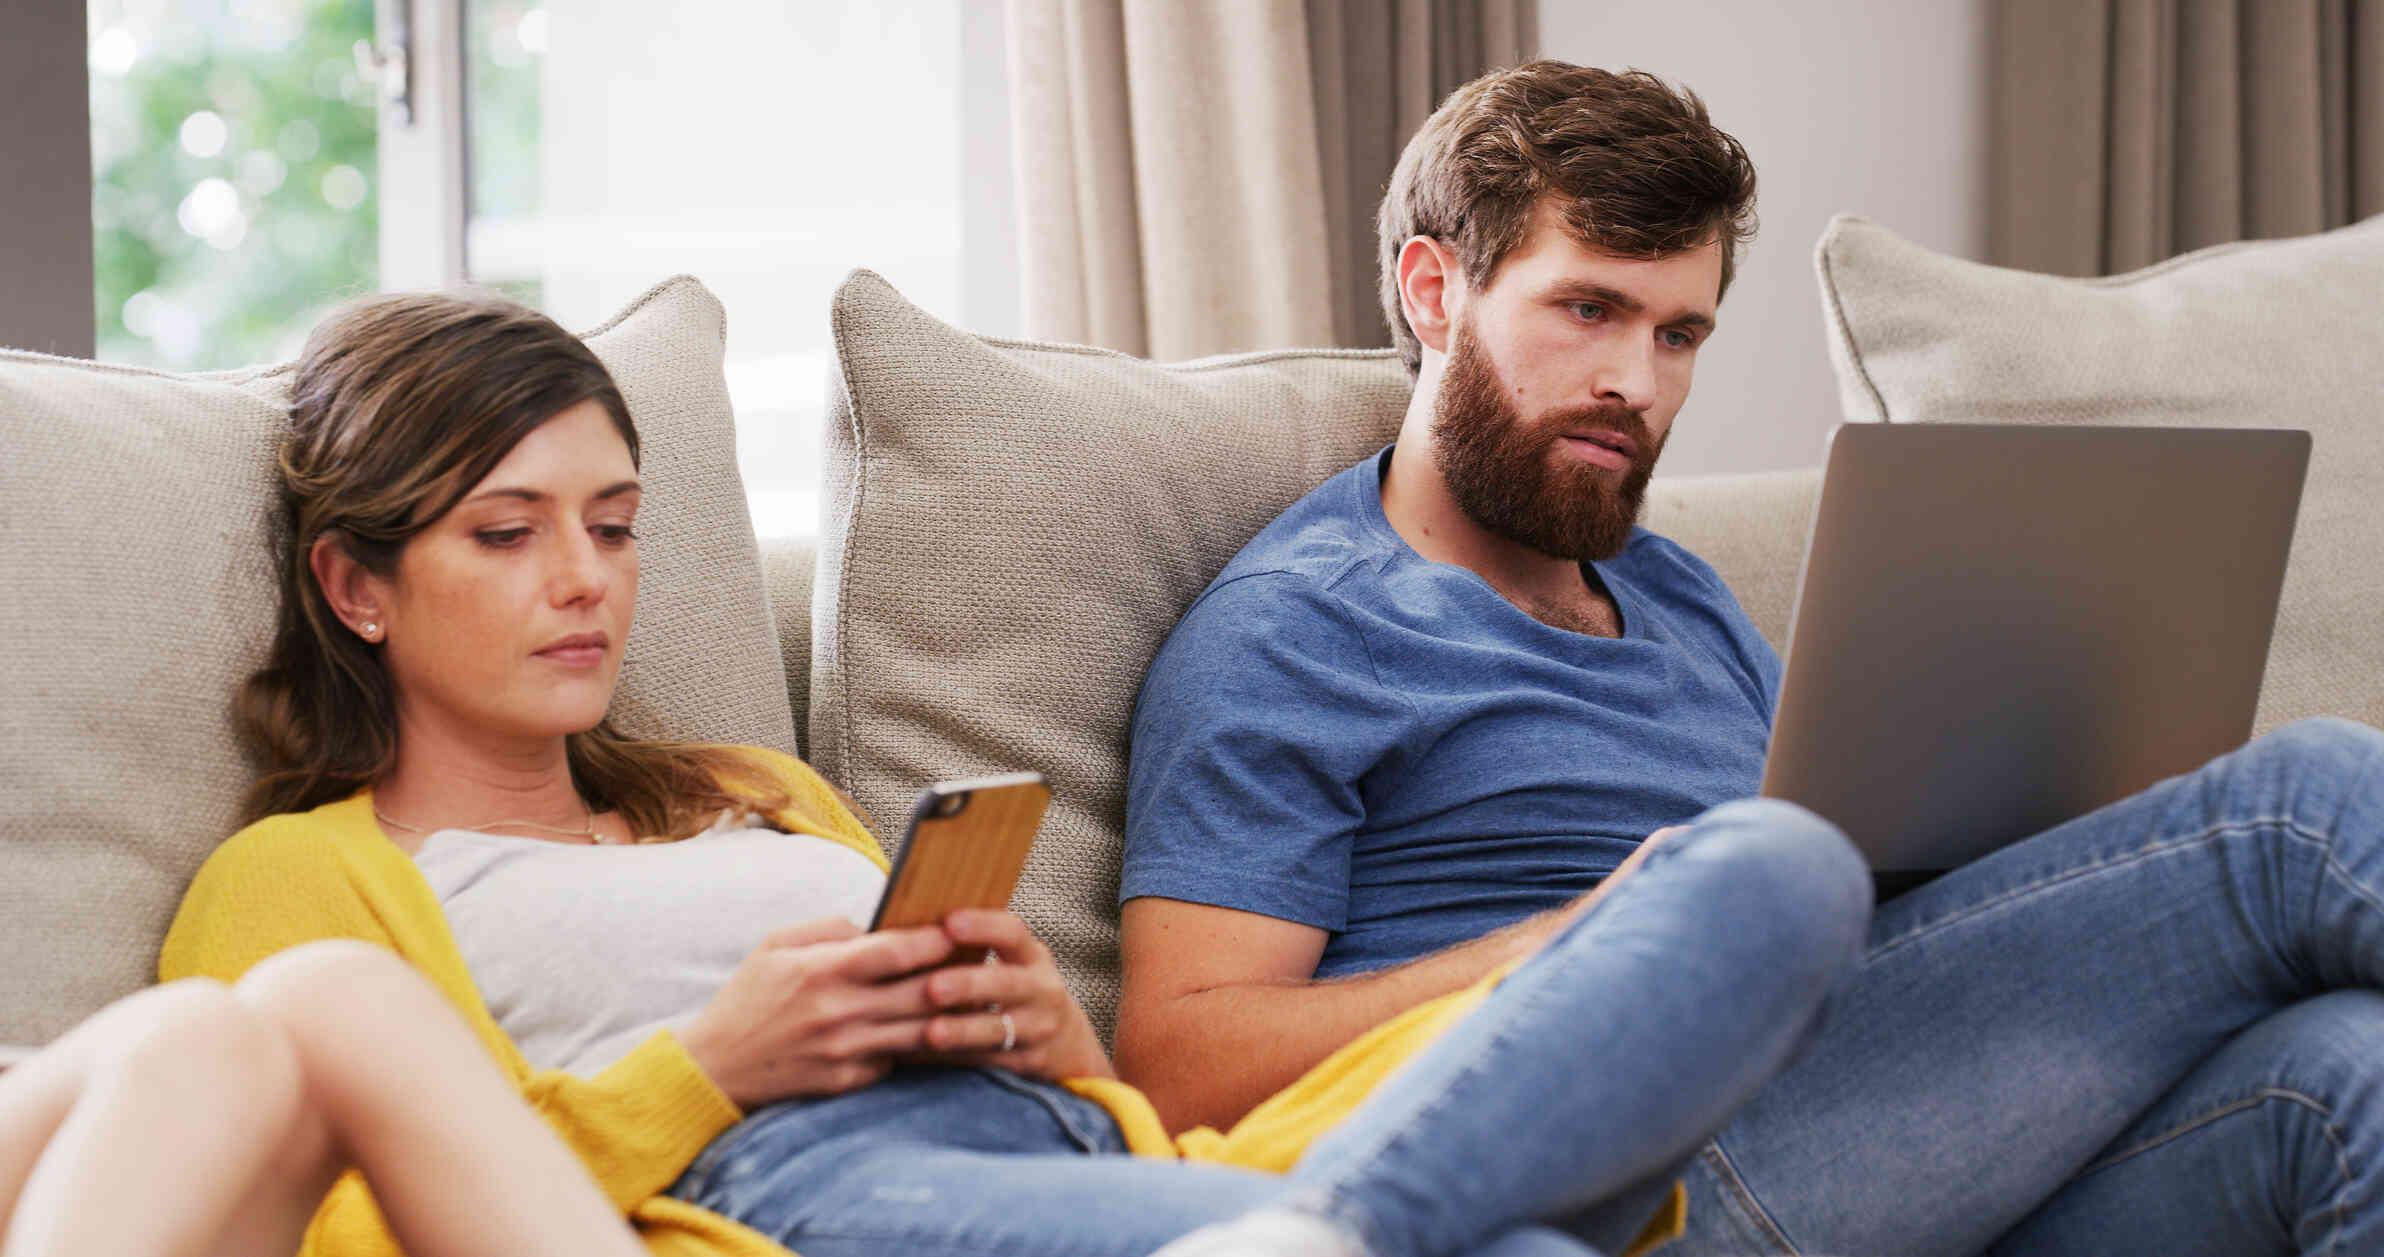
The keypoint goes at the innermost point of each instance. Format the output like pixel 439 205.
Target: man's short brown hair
pixel 1636 166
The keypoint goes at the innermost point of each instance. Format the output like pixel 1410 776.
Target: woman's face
pixel 507 615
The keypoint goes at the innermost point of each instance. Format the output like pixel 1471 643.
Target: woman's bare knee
pixel 195 1033
pixel 182 1037
pixel 349 1009
pixel 149 1052
pixel 191 1003
pixel 331 984
pixel 311 973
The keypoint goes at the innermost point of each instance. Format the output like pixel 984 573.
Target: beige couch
pixel 1011 529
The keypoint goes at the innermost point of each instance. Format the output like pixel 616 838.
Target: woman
pixel 611 916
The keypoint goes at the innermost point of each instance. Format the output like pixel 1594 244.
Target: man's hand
pixel 1629 865
pixel 1222 1008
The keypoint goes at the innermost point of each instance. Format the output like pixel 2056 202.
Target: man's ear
pixel 1430 286
pixel 356 597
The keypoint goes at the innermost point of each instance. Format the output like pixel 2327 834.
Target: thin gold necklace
pixel 586 830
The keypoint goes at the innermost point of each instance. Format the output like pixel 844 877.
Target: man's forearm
pixel 1207 1057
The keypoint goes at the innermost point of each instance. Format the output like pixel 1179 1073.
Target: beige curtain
pixel 2127 131
pixel 1201 177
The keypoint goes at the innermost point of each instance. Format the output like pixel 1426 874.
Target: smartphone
pixel 964 848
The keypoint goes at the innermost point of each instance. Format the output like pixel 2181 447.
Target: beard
pixel 1506 475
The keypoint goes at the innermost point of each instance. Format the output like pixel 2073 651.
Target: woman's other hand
pixel 819 1008
pixel 1013 1014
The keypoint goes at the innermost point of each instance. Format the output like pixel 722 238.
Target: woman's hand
pixel 818 1009
pixel 1049 1035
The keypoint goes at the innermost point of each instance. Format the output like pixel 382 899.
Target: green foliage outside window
pixel 233 163
pixel 504 42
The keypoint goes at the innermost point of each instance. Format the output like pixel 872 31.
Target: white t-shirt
pixel 581 952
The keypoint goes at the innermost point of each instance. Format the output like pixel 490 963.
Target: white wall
pixel 1874 107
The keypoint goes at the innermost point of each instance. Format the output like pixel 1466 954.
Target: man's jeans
pixel 2154 1029
pixel 1587 1077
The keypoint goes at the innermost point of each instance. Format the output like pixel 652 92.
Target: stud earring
pixel 371 631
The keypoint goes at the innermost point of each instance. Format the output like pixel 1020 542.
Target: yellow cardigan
pixel 330 873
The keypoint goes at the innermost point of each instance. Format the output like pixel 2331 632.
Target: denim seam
pixel 2349 882
pixel 1339 1208
pixel 1088 1141
pixel 2287 824
pixel 1725 1171
pixel 2333 1133
pixel 1334 1204
pixel 2333 866
pixel 2352 788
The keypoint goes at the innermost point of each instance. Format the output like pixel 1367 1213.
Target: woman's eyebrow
pixel 539 495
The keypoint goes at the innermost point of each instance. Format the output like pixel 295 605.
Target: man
pixel 1445 694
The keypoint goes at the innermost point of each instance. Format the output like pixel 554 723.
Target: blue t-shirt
pixel 1345 734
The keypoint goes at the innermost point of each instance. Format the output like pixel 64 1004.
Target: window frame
pixel 424 159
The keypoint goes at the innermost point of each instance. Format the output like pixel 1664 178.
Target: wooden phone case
pixel 968 859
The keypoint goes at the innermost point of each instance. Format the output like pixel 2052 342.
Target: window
pixel 569 155
pixel 232 160
pixel 764 147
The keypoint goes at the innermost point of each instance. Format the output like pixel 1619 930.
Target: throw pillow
pixel 1012 529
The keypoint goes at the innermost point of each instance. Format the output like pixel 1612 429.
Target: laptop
pixel 2001 627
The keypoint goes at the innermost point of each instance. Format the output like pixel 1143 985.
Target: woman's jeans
pixel 1571 1096
pixel 2154 1029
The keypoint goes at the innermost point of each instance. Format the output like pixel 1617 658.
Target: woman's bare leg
pixel 234 1109
pixel 457 1162
pixel 178 1093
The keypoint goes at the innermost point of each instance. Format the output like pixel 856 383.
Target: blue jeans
pixel 1589 1076
pixel 2149 1030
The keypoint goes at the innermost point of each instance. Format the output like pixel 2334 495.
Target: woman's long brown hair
pixel 401 404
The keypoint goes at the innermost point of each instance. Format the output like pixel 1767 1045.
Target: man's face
pixel 1563 377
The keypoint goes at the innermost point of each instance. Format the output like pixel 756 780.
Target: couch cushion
pixel 1751 526
pixel 1012 530
pixel 135 508
pixel 2282 333
pixel 787 564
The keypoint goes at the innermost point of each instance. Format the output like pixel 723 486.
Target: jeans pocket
pixel 1085 1123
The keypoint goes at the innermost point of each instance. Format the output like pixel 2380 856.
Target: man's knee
pixel 2319 744
pixel 2313 772
pixel 1791 848
pixel 1778 861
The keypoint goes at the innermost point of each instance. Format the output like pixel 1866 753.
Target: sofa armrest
pixel 1751 526
pixel 787 567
